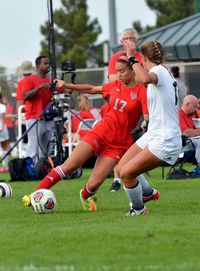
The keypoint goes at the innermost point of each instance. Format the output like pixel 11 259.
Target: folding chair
pixel 83 126
pixel 187 155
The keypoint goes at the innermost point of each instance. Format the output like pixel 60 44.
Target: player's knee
pixel 124 174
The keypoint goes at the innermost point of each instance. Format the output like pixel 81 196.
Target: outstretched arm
pixel 83 88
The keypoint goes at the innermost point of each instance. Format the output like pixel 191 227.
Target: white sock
pixel 146 187
pixel 135 196
pixel 117 180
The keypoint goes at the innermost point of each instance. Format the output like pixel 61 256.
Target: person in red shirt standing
pixel 109 138
pixel 37 96
pixel 127 34
pixel 189 107
pixel 26 69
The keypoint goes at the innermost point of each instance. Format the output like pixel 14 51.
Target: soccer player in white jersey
pixel 162 142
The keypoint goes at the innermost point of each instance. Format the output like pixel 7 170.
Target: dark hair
pixel 38 60
pixel 175 71
pixel 123 59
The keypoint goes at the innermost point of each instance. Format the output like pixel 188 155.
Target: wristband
pixel 132 60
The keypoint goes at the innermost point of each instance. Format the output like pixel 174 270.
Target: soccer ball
pixel 5 190
pixel 43 201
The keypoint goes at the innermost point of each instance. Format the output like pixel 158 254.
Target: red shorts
pixel 102 148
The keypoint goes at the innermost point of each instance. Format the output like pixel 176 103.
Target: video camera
pixel 59 103
pixel 69 67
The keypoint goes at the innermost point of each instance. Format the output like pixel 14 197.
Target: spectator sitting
pixel 182 88
pixel 85 112
pixel 189 107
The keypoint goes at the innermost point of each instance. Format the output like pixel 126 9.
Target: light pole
pixel 112 24
pixel 52 42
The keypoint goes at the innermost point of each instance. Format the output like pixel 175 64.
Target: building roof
pixel 181 39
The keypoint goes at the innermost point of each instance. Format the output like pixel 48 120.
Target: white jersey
pixel 2 111
pixel 162 106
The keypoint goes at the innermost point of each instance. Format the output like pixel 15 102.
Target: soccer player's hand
pixel 60 84
pixel 129 47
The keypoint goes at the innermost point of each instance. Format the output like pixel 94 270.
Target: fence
pixel 189 73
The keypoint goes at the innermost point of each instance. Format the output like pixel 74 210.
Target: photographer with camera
pixel 37 96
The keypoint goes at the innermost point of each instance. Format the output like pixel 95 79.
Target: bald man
pixel 189 107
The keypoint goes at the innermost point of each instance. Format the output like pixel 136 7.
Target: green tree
pixel 167 11
pixel 75 34
pixel 142 30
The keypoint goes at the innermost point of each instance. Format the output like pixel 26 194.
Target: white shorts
pixel 4 135
pixel 166 150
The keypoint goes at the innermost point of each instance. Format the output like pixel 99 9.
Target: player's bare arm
pixel 83 88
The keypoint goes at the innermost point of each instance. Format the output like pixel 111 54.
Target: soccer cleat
pixel 115 186
pixel 88 204
pixel 196 171
pixel 27 200
pixel 155 195
pixel 133 212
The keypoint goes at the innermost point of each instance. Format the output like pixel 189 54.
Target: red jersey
pixel 185 121
pixel 103 109
pixel 19 96
pixel 9 121
pixel 114 58
pixel 36 105
pixel 125 107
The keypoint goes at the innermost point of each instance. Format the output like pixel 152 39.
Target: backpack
pixel 22 169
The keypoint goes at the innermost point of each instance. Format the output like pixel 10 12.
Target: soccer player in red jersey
pixel 127 34
pixel 110 137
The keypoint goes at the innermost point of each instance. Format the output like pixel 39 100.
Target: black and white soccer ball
pixel 43 201
pixel 5 190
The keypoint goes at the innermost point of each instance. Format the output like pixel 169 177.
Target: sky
pixel 20 22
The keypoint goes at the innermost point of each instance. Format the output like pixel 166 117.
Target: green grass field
pixel 167 239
